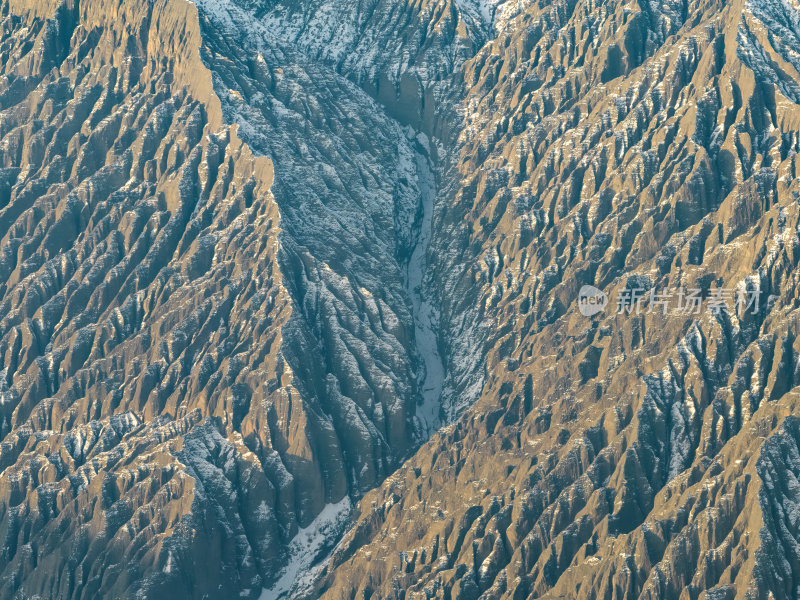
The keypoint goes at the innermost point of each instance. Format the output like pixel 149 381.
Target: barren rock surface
pixel 289 299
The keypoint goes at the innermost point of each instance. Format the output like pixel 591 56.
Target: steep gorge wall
pixel 139 238
pixel 202 348
pixel 207 333
pixel 623 145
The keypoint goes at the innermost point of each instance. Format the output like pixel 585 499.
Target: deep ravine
pixel 426 317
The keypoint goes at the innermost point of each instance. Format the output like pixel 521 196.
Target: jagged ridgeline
pixel 217 326
pixel 623 145
pixel 207 345
pixel 253 255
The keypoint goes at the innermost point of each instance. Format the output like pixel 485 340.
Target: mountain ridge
pixel 228 270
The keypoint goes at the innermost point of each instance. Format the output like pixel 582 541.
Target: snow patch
pixel 426 318
pixel 483 9
pixel 305 549
pixel 776 22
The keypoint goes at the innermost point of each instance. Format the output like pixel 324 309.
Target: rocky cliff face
pixel 253 254
pixel 636 455
pixel 219 355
